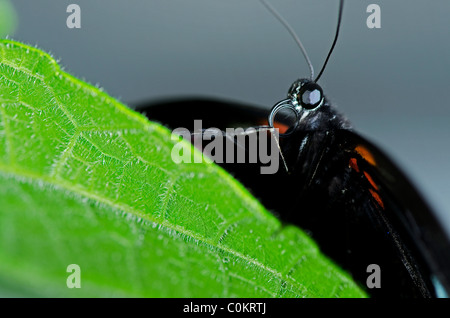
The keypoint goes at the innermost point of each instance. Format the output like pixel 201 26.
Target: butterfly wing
pixel 363 210
pixel 213 113
pixel 343 190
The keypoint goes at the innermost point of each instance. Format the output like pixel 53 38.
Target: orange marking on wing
pixel 353 163
pixel 366 154
pixel 377 198
pixel 371 180
pixel 282 128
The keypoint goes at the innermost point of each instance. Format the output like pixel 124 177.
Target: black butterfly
pixel 342 189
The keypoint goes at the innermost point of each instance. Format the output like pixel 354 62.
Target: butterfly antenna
pixel 292 32
pixel 341 6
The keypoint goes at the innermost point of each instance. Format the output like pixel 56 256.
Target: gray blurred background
pixel 392 83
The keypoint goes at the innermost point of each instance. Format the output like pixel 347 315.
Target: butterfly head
pixel 306 94
pixel 311 110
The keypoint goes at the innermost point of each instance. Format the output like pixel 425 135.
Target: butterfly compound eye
pixel 306 93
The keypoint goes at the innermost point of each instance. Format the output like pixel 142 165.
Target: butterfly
pixel 342 189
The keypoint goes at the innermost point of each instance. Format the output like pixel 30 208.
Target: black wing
pixel 362 210
pixel 358 206
pixel 219 114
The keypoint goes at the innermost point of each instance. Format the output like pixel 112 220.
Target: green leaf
pixel 84 180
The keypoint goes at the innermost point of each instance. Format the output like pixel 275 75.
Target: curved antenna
pixel 341 6
pixel 292 32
